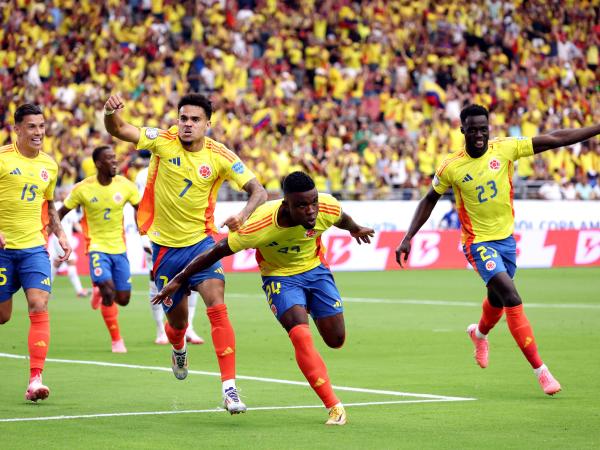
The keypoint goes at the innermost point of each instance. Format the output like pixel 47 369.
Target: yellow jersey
pixel 102 221
pixel 26 184
pixel 483 188
pixel 285 251
pixel 177 209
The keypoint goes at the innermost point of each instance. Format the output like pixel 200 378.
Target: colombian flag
pixel 434 94
pixel 261 119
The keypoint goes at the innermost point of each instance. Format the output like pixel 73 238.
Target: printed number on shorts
pixel 484 250
pixel 272 288
pixel 28 192
pixel 95 260
pixel 164 279
pixel 3 278
pixel 188 184
pixel 481 191
pixel 295 248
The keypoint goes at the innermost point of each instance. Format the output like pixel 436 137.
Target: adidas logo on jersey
pixel 176 161
pixel 467 178
pixel 94 200
pixel 16 172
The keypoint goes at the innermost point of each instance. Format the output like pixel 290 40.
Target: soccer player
pixel 27 180
pixel 157 311
pixel 481 177
pixel 102 197
pixel 187 169
pixel 287 237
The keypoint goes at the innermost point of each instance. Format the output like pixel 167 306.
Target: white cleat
pixel 192 337
pixel 180 363
pixel 337 416
pixel 36 390
pixel 232 402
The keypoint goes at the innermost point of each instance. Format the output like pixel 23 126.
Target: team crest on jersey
pixel 274 309
pixel 436 180
pixel 490 265
pixel 310 233
pixel 118 197
pixel 204 171
pixel 494 164
pixel 44 175
pixel 238 167
pixel 168 302
pixel 98 271
pixel 151 133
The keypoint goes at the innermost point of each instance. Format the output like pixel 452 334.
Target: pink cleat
pixel 36 390
pixel 119 346
pixel 481 346
pixel 549 384
pixel 192 337
pixel 161 339
pixel 96 298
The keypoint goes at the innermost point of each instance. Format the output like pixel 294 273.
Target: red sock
pixel 489 317
pixel 523 334
pixel 223 339
pixel 176 336
pixel 311 364
pixel 110 315
pixel 38 341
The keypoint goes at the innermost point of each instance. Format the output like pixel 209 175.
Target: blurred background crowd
pixel 363 95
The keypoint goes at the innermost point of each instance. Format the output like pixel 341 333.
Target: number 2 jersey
pixel 177 209
pixel 26 184
pixel 484 188
pixel 285 251
pixel 102 221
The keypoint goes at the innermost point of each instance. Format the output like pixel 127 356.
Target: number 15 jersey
pixel 483 188
pixel 181 192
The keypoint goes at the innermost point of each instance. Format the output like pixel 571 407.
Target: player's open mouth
pixel 479 143
pixel 36 140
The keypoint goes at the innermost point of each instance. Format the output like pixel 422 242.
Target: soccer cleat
pixel 119 346
pixel 549 384
pixel 180 363
pixel 161 338
pixel 337 416
pixel 192 337
pixel 232 402
pixel 36 390
pixel 481 347
pixel 96 298
pixel 83 293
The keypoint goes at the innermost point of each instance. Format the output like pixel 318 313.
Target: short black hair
pixel 98 152
pixel 297 182
pixel 27 109
pixel 473 110
pixel 197 100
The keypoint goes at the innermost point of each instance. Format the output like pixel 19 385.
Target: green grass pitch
pixel 407 366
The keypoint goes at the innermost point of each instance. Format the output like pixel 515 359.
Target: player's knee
pixel 123 298
pixel 512 299
pixel 4 318
pixel 336 341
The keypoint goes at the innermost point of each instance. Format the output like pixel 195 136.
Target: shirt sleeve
pixel 134 194
pixel 49 194
pixel 329 209
pixel 73 200
pixel 238 242
pixel 441 182
pixel 234 170
pixel 148 138
pixel 520 147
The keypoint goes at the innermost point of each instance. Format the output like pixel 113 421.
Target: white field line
pixel 244 377
pixel 216 410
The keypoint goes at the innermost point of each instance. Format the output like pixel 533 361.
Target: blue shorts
pixel 169 261
pixel 107 266
pixel 27 268
pixel 315 290
pixel 492 257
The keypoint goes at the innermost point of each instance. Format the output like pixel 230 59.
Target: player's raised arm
pixel 258 196
pixel 56 228
pixel 360 233
pixel 199 263
pixel 115 124
pixel 560 138
pixel 421 215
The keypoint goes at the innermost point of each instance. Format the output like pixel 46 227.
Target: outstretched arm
pixel 361 234
pixel 258 196
pixel 200 262
pixel 560 138
pixel 56 228
pixel 115 124
pixel 422 213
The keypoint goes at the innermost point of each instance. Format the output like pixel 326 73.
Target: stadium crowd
pixel 363 95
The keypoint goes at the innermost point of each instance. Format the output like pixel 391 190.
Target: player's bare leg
pixel 110 313
pixel 5 311
pixel 38 342
pixel 212 292
pixel 520 328
pixel 175 330
pixel 295 322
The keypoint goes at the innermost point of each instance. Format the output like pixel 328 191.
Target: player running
pixel 287 237
pixel 481 177
pixel 187 169
pixel 103 197
pixel 27 180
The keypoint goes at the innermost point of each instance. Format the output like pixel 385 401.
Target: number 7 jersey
pixel 25 186
pixel 483 188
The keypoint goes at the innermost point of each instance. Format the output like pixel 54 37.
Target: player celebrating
pixel 481 177
pixel 287 237
pixel 186 172
pixel 103 197
pixel 27 181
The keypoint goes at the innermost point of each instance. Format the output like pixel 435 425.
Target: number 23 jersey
pixel 484 188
